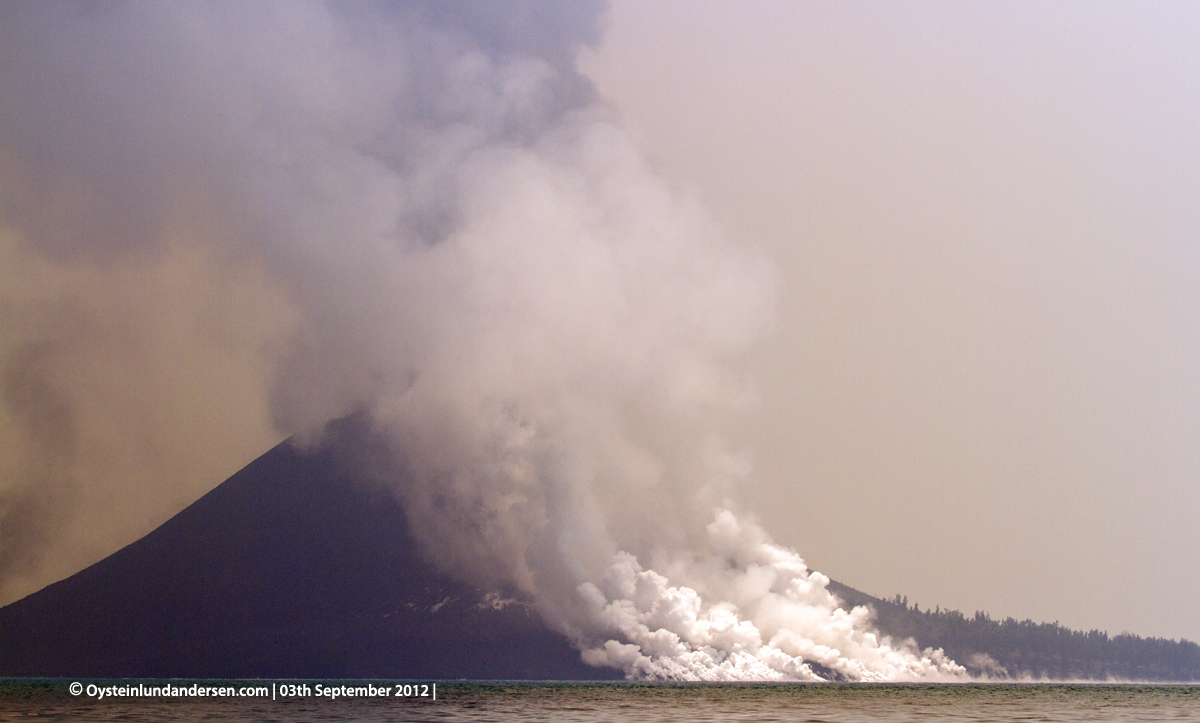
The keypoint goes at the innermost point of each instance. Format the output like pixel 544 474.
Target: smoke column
pixel 480 259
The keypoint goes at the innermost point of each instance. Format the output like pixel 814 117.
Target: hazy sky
pixel 981 385
pixel 983 390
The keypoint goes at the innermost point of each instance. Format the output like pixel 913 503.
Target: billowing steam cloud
pixel 480 259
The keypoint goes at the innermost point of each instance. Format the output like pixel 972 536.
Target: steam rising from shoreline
pixel 480 258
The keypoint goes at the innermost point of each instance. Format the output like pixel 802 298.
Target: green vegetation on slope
pixel 1013 648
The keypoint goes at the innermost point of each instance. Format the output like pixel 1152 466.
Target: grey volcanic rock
pixel 293 567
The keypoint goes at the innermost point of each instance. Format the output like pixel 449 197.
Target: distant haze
pixel 915 286
pixel 983 389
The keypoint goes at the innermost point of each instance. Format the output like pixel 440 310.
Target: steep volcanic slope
pixel 296 567
pixel 290 568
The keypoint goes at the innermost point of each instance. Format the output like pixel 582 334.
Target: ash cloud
pixel 31 509
pixel 476 254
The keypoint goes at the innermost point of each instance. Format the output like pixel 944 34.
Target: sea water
pixel 54 700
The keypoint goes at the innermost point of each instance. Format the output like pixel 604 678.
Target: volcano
pixel 294 567
pixel 301 565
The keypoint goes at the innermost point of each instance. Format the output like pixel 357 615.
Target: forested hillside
pixel 1012 648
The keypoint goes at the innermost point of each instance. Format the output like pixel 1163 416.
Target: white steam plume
pixel 539 328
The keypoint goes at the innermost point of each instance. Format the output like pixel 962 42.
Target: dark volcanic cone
pixel 290 568
pixel 300 566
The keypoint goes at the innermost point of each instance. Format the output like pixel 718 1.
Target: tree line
pixel 1014 649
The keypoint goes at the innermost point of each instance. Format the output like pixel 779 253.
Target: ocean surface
pixel 146 700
